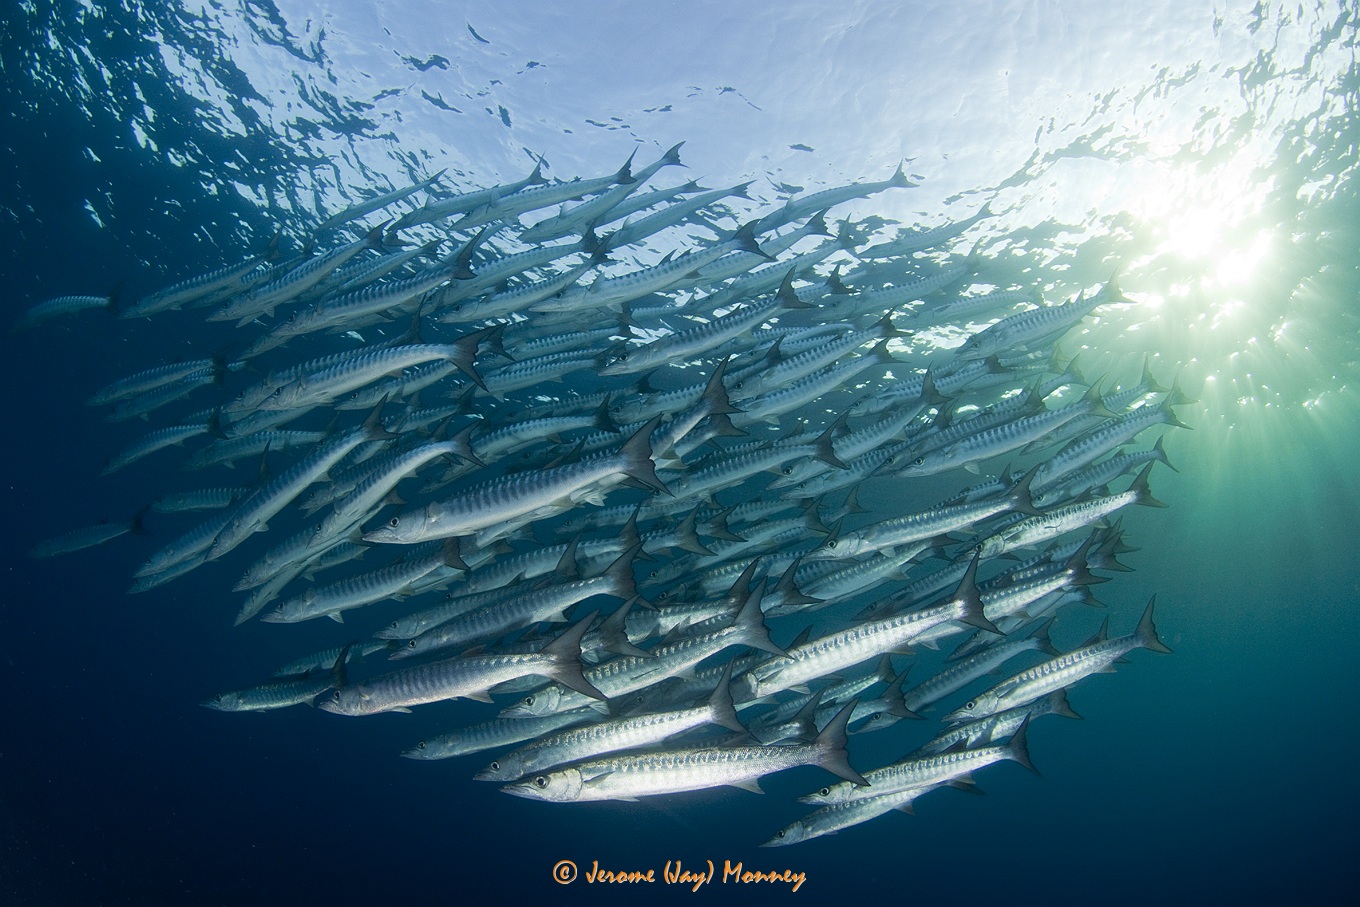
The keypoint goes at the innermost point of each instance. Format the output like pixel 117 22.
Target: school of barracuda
pixel 683 462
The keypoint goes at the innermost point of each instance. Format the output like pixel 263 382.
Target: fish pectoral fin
pixel 751 784
pixel 402 709
pixel 479 695
pixel 592 496
pixel 336 616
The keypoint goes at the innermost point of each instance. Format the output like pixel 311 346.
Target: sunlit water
pixel 1205 154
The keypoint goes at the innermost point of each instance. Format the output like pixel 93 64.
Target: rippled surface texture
pixel 1206 153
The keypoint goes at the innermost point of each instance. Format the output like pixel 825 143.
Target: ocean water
pixel 1206 152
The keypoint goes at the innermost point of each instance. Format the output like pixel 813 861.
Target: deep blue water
pixel 1218 774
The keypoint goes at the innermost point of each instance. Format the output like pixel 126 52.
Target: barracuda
pixel 466 677
pixel 1037 325
pixel 377 203
pixel 252 514
pixel 927 524
pixel 630 777
pixel 467 201
pixel 357 591
pixel 673 658
pixel 837 651
pixel 611 736
pixel 1098 655
pixel 499 501
pixel 925 771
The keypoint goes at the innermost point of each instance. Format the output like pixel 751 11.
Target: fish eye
pixel 277 392
pixel 972 704
pixel 541 781
pixel 831 543
pixel 824 791
pixel 394 522
pixel 892 459
pixel 919 461
pixel 420 745
pixel 495 766
pixel 411 644
pixel 217 697
pixel 528 700
pixel 787 470
pixel 779 834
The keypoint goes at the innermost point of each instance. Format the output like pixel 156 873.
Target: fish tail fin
pixel 722 711
pixel 816 224
pixel 788 591
pixel 968 596
pixel 602 420
pixel 114 301
pixel 461 444
pixel 374 239
pixel 786 295
pixel 637 457
pixel 1080 566
pixel 625 177
pixel 1147 631
pixel 830 744
pixel 896 699
pixel 450 555
pixel 1020 496
pixel 723 427
pixel 716 527
pixel 824 449
pixel 688 536
pixel 565 654
pixel 1059 705
pixel 900 178
pixel 1111 292
pixel 373 427
pixel 1041 633
pixel 805 721
pixel 1168 416
pixel 750 625
pixel 537 178
pixel 1018 748
pixel 715 392
pixel 620 574
pixel 1142 491
pixel 614 632
pixel 463 354
pixel 745 240
pixel 672 157
pixel 1149 381
pixel 1159 454
pixel 339 670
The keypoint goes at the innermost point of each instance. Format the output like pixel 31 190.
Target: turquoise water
pixel 1207 154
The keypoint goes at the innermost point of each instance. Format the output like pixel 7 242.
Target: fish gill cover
pixel 536 417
